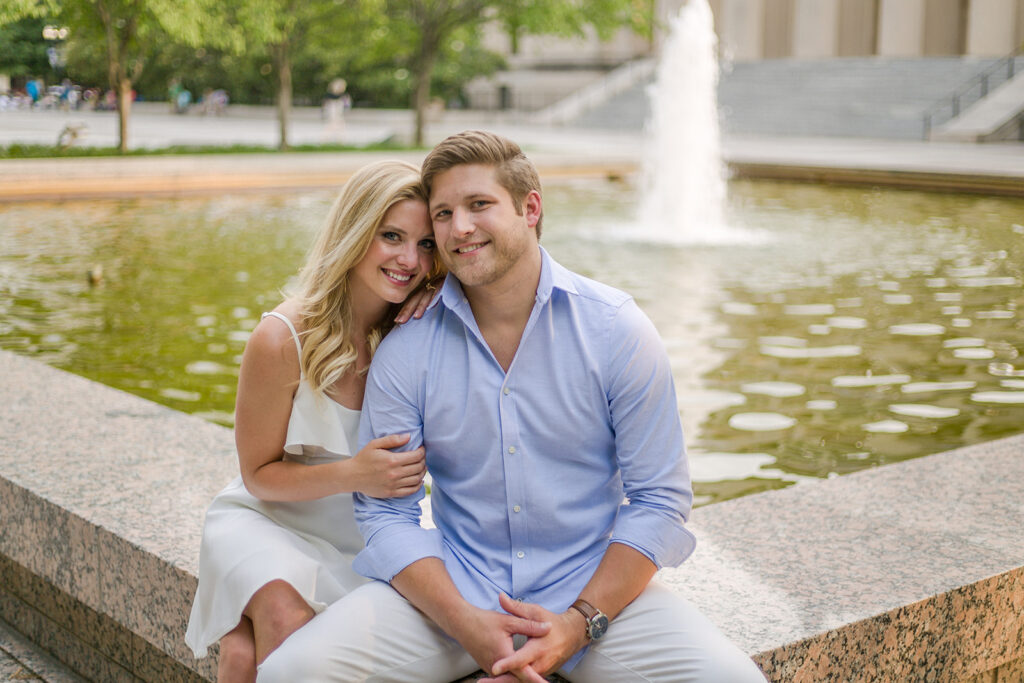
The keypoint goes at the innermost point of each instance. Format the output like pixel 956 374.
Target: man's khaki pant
pixel 374 634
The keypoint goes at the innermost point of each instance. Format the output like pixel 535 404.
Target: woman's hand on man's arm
pixel 379 472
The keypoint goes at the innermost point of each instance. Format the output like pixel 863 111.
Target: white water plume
pixel 684 186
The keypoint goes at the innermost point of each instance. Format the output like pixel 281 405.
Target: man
pixel 559 479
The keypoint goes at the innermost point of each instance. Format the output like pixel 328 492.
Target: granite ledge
pixel 910 572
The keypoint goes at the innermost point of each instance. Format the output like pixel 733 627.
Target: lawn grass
pixel 18 151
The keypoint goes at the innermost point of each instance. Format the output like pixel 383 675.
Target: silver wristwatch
pixel 597 621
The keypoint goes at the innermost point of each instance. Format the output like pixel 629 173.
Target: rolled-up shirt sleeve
pixel 391 526
pixel 648 442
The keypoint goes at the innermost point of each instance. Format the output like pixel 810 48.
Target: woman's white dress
pixel 248 542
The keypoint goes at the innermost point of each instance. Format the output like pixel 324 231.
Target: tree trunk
pixel 284 91
pixel 124 111
pixel 424 75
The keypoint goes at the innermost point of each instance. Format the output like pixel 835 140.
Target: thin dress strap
pixel 295 336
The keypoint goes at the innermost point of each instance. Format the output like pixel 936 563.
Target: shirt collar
pixel 552 276
pixel 451 293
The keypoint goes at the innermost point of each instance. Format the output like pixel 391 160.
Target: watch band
pixel 586 609
pixel 596 621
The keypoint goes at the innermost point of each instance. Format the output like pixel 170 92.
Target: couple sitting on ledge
pixel 542 404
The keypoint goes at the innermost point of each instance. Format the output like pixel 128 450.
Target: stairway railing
pixel 597 92
pixel 977 88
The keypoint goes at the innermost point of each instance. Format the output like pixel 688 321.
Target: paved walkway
pixel 995 169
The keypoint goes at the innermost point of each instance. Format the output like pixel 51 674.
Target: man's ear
pixel 532 208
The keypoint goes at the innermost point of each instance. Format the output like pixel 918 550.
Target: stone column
pixel 991 27
pixel 943 27
pixel 1020 21
pixel 901 28
pixel 858 27
pixel 741 29
pixel 815 28
pixel 778 28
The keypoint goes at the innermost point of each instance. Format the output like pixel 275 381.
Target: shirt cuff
pixel 665 542
pixel 389 552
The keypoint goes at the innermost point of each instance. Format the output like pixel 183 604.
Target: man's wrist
pixel 456 617
pixel 577 625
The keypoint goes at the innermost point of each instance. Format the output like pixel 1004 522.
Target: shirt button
pixel 520 554
pixel 512 449
pixel 506 391
pixel 516 508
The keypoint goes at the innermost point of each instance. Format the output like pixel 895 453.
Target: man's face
pixel 480 236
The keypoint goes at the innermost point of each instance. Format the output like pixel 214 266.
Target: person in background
pixel 33 88
pixel 336 101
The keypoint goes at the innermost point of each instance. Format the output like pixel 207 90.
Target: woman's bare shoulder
pixel 271 340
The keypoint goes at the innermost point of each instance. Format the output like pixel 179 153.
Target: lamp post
pixel 54 54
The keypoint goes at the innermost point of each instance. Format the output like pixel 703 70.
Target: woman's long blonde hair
pixel 325 305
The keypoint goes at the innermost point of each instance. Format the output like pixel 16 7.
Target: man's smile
pixel 470 248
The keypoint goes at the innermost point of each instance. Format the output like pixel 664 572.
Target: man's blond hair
pixel 514 171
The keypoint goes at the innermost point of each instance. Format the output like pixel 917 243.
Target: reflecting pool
pixel 853 328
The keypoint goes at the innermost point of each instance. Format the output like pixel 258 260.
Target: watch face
pixel 598 626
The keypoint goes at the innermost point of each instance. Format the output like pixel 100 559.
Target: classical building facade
pixel 766 29
pixel 542 69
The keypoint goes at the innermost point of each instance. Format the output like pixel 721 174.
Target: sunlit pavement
pixel 565 150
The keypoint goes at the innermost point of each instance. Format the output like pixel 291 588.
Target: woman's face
pixel 400 255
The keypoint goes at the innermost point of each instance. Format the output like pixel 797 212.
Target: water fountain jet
pixel 684 178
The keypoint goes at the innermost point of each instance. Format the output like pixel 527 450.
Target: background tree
pixel 23 49
pixel 431 24
pixel 15 10
pixel 127 29
pixel 391 52
pixel 280 29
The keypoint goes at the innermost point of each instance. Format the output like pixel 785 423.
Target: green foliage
pixel 15 10
pixel 571 17
pixel 23 49
pixel 376 45
pixel 372 51
pixel 462 59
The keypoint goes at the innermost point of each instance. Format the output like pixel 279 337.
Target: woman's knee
pixel 276 611
pixel 276 596
pixel 278 606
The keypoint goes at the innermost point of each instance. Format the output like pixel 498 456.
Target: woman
pixel 278 542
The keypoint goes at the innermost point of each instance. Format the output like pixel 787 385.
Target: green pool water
pixel 849 328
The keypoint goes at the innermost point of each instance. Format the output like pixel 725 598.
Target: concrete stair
pixel 1000 116
pixel 869 97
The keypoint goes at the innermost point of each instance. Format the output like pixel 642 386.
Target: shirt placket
pixel 513 460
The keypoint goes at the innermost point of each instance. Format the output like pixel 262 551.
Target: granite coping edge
pixel 814 557
pixel 161 564
pixel 965 632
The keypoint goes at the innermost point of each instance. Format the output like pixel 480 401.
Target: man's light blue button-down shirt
pixel 535 471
